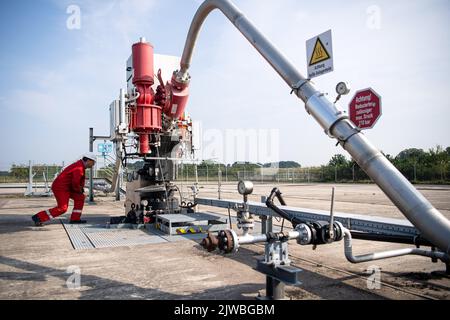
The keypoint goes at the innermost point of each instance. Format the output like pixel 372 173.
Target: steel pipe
pixel 123 119
pixel 116 176
pixel 415 240
pixel 387 254
pixel 431 223
pixel 250 238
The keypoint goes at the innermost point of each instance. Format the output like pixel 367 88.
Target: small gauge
pixel 144 202
pixel 245 187
pixel 341 88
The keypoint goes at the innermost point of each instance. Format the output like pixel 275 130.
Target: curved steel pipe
pixel 431 223
pixel 387 254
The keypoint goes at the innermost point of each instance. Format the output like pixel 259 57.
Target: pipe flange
pixel 235 240
pixel 210 243
pixel 228 241
pixel 305 236
pixel 339 234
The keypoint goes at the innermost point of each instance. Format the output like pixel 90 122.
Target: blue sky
pixel 56 82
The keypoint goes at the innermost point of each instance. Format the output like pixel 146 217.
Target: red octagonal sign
pixel 365 108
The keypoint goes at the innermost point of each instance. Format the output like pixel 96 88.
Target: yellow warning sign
pixel 319 53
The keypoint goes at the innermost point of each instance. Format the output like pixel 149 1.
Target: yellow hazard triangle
pixel 319 53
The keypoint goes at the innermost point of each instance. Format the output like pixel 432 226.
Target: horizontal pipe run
pixel 387 254
pixel 357 235
pixel 414 240
pixel 250 238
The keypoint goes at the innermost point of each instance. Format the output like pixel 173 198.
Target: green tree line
pixel 416 165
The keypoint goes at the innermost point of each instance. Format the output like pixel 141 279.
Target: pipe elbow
pixel 348 246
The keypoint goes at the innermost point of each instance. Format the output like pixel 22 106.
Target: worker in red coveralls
pixel 68 185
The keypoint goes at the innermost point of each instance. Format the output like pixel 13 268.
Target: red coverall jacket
pixel 69 184
pixel 71 179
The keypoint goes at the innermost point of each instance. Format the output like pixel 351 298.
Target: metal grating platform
pixel 100 235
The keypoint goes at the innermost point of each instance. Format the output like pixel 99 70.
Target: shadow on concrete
pixel 11 223
pixel 24 276
pixel 312 282
pixel 102 288
pixel 22 207
pixel 421 279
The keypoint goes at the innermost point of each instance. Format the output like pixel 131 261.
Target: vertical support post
pixel 274 287
pixel 119 177
pixel 277 289
pixel 263 218
pixel 269 224
pixel 269 287
pixel 262 175
pixel 219 182
pixel 331 228
pixel 196 173
pixel 91 170
pixel 30 179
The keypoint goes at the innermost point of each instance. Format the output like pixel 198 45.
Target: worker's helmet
pixel 90 155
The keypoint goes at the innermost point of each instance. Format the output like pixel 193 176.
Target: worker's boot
pixel 37 221
pixel 77 221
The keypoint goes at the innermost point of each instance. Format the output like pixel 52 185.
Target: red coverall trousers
pixel 62 199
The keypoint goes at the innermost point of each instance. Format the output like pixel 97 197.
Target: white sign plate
pixel 319 55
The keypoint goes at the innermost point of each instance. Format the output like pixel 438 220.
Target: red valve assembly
pixel 168 102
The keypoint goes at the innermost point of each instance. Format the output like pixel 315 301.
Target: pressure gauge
pixel 341 88
pixel 245 187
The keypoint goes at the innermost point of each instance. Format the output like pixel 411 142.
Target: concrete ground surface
pixel 37 263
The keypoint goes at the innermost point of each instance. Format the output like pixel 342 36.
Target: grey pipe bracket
pixel 343 141
pixel 342 116
pixel 299 84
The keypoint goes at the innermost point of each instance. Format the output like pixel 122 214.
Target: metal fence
pixel 341 174
pixel 214 173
